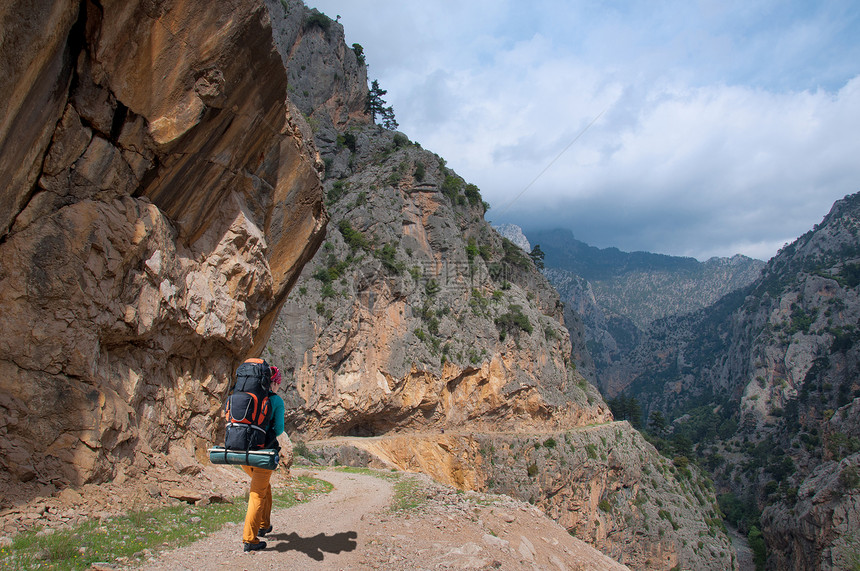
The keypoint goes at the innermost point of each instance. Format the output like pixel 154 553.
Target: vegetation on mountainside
pixel 318 19
pixel 358 50
pixel 697 437
pixel 527 467
pixel 537 255
pixel 375 105
pixel 626 408
pixel 512 322
pixel 424 246
pixel 137 536
pixel 461 193
pixel 785 354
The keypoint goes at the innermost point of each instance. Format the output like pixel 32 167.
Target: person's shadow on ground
pixel 315 547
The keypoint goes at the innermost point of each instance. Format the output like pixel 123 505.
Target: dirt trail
pixel 329 532
pixel 354 528
pixel 340 440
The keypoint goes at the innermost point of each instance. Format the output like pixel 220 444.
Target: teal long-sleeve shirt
pixel 277 404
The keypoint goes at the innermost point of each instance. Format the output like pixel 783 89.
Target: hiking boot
pixel 255 546
pixel 264 530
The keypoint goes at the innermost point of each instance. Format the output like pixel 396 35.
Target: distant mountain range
pixel 563 251
pixel 612 296
pixel 642 286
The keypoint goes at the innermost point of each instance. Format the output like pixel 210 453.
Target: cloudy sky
pixel 698 128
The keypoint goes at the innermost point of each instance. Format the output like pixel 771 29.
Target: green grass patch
pixel 408 494
pixel 139 535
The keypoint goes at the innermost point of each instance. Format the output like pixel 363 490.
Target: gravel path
pixel 354 528
pixel 329 532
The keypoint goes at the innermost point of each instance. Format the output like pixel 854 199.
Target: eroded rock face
pixel 328 80
pixel 160 199
pixel 608 486
pixel 416 314
pixel 820 529
pixel 604 484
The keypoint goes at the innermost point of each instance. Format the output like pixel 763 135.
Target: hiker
pixel 258 518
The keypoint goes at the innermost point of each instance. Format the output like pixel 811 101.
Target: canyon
pixel 191 184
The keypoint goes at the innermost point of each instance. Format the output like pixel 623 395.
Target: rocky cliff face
pixel 417 314
pixel 604 484
pixel 160 197
pixel 515 234
pixel 608 486
pixel 818 530
pixel 767 378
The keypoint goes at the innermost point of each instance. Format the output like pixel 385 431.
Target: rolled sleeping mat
pixel 257 458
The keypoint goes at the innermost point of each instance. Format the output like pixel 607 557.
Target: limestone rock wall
pixel 160 197
pixel 328 80
pixel 415 313
pixel 820 531
pixel 605 484
pixel 778 366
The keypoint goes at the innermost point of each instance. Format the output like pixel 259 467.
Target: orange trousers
pixel 259 503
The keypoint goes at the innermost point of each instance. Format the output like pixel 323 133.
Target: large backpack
pixel 247 410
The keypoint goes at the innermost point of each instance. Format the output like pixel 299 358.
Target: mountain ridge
pixel 616 295
pixel 566 252
pixel 764 383
pixel 640 286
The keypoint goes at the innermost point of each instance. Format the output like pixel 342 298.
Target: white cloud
pixel 709 170
pixel 717 136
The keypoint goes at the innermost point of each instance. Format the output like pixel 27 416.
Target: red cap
pixel 276 375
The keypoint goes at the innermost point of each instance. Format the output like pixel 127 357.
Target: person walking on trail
pixel 258 518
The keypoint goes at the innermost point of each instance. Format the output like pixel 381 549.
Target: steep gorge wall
pixel 383 354
pixel 416 314
pixel 392 326
pixel 160 198
pixel 777 367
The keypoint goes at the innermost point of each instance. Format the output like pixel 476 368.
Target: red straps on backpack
pixel 263 412
pixel 258 417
